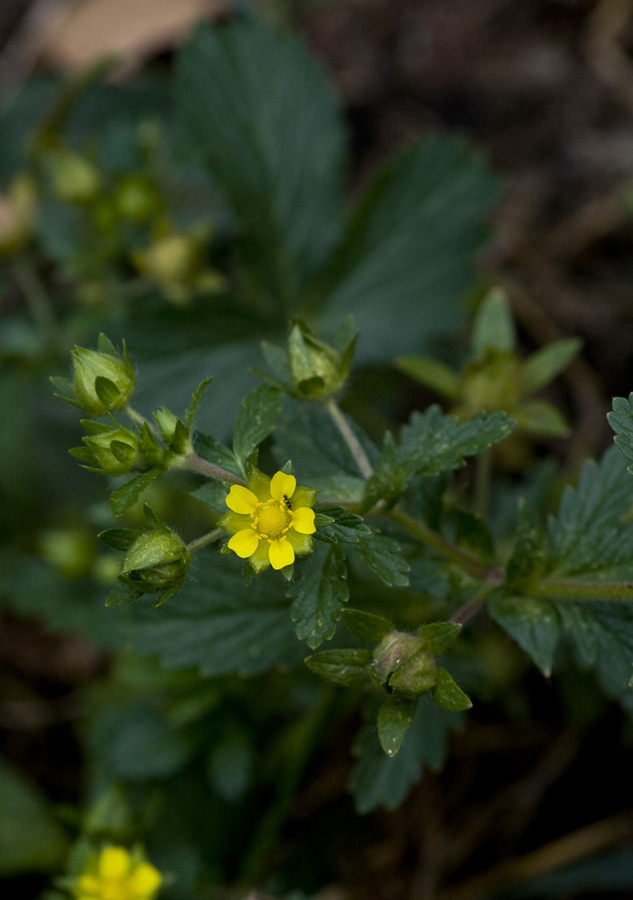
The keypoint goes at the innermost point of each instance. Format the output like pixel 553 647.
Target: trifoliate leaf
pixel 379 780
pixel 533 623
pixel 318 593
pixel 266 123
pixel 431 443
pixel 128 494
pixel 384 556
pixel 346 667
pixel 394 718
pixel 255 420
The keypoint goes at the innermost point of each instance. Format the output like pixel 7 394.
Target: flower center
pixel 271 520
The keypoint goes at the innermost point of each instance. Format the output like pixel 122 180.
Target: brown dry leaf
pixel 131 30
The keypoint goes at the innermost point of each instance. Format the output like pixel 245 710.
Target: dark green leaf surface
pixel 349 666
pixel 409 249
pixel 318 593
pixel 344 526
pixel 255 421
pixel 384 556
pixel 380 780
pixel 394 719
pixel 266 123
pixel 533 623
pixel 220 624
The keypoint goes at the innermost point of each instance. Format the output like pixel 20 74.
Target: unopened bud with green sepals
pixel 405 663
pixel 108 449
pixel 75 178
pixel 103 380
pixel 319 370
pixel 157 560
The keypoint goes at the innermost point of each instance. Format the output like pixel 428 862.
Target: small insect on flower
pixel 267 528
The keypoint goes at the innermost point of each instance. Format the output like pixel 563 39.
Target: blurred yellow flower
pixel 115 875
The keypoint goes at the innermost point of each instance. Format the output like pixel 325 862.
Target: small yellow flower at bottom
pixel 271 520
pixel 115 875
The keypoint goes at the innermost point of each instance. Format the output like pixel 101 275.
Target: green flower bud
pixel 405 663
pixel 318 370
pixel 157 561
pixel 108 450
pixel 75 179
pixel 167 422
pixel 102 381
pixel 71 551
pixel 492 383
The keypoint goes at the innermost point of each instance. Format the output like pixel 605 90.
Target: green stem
pixel 465 560
pixel 362 461
pixel 197 464
pixel 583 591
pixel 466 612
pixel 208 538
pixel 138 418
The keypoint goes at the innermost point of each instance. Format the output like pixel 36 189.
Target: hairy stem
pixel 465 560
pixel 197 464
pixel 365 467
pixel 583 591
pixel 208 538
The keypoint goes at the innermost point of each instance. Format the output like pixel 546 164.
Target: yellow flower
pixel 115 875
pixel 270 520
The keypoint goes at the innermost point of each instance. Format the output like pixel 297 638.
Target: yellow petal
pixel 282 484
pixel 244 543
pixel 241 500
pixel 144 881
pixel 88 886
pixel 114 863
pixel 303 520
pixel 281 554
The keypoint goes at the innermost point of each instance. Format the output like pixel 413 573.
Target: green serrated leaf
pixel 621 421
pixel 448 693
pixel 128 494
pixel 367 627
pixel 318 593
pixel 346 667
pixel 213 493
pixel 342 525
pixel 543 366
pixel 196 398
pixel 256 420
pixel 493 328
pixel 379 780
pixel 602 637
pixel 440 635
pixel 119 538
pixel 265 121
pixel 409 249
pixel 214 451
pixel 533 623
pixel 394 719
pixel 384 556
